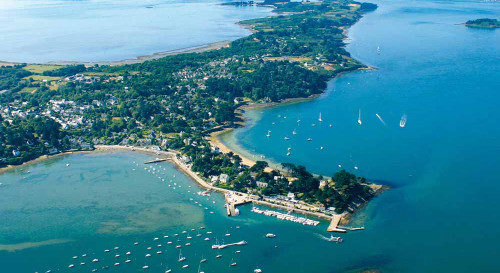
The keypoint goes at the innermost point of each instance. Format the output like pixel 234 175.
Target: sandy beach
pixel 158 55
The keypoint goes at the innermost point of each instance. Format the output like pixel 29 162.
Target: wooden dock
pixel 335 223
pixel 156 160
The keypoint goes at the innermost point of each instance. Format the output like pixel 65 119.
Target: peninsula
pixel 174 103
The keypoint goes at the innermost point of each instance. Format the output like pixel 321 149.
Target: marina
pixel 285 216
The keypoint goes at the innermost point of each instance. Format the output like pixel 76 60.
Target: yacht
pixel 359 118
pixel 320 119
pixel 257 270
pixel 270 235
pixel 233 263
pixel 218 256
pixel 288 154
pixel 148 255
pixel 185 266
pixel 71 266
pixel 168 270
pixel 402 122
pixel 95 260
pixel 145 267
pixel 181 259
pixel 309 139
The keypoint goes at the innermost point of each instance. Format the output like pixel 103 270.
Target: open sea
pixel 441 214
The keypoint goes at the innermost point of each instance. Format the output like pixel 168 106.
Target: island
pixel 173 105
pixel 483 23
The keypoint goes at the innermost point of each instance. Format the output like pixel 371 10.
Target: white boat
pixel 270 235
pixel 95 260
pixel 378 50
pixel 181 259
pixel 309 139
pixel 148 255
pixel 218 256
pixel 402 122
pixel 359 118
pixel 257 270
pixel 287 138
pixel 320 119
pixel 168 270
pixel 71 266
pixel 288 154
pixel 145 267
pixel 294 132
pixel 268 133
pixel 185 266
pixel 335 239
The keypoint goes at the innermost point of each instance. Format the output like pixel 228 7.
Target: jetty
pixel 156 160
pixel 334 224
pixel 234 199
pixel 228 245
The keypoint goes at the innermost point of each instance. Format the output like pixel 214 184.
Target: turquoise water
pixel 113 30
pixel 441 215
pixel 104 200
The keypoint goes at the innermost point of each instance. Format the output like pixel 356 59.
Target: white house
pixel 224 178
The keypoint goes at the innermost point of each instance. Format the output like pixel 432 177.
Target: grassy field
pixel 40 68
pixel 41 78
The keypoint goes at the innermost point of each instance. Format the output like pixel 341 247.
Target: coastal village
pixel 175 103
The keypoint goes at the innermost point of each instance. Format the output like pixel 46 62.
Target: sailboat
pixel 402 122
pixel 181 259
pixel 320 119
pixel 359 118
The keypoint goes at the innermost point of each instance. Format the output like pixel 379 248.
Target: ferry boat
pixel 320 119
pixel 359 118
pixel 270 235
pixel 402 122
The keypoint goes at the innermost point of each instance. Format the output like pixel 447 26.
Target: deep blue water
pixel 113 30
pixel 441 214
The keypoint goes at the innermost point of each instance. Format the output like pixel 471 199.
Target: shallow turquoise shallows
pixel 113 30
pixel 442 212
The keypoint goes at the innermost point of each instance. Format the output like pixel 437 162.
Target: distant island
pixel 483 23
